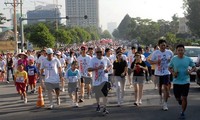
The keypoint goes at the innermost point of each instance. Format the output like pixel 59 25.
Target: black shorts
pixel 152 72
pixel 181 90
pixel 165 79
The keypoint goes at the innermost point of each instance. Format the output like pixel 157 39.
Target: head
pixel 156 47
pixel 20 67
pixel 140 50
pixel 119 55
pixel 137 56
pixel 31 61
pixel 180 49
pixel 147 49
pixel 90 51
pixel 58 54
pixel 133 49
pixel 162 44
pixel 99 52
pixel 29 52
pixel 49 52
pixel 74 65
pixel 83 50
pixel 108 51
pixel 43 52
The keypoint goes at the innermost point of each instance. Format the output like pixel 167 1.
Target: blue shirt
pixel 73 76
pixel 146 54
pixel 181 65
pixel 31 70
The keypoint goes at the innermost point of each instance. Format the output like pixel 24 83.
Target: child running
pixel 73 75
pixel 20 80
pixel 32 75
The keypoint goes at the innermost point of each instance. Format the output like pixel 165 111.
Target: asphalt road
pixel 12 108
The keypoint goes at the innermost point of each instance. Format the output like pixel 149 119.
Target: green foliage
pixel 106 34
pixel 63 36
pixel 145 31
pixel 193 15
pixel 41 36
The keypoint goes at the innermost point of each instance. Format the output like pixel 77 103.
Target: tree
pixel 193 15
pixel 106 34
pixel 124 27
pixel 63 36
pixel 41 36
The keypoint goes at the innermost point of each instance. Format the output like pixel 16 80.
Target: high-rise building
pixel 48 11
pixel 77 9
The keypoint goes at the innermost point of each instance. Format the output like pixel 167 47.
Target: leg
pixel 140 93
pixel 136 93
pixel 82 90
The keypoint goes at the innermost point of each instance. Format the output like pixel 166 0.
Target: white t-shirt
pixel 51 70
pixel 112 59
pixel 162 68
pixel 83 64
pixel 99 76
pixel 131 58
pixel 41 59
pixel 62 61
pixel 2 64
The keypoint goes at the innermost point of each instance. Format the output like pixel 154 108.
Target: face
pixel 119 56
pixel 99 52
pixel 180 51
pixel 137 56
pixel 50 56
pixel 83 50
pixel 162 46
pixel 20 67
pixel 74 66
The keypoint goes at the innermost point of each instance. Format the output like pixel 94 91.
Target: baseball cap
pixel 58 53
pixel 49 51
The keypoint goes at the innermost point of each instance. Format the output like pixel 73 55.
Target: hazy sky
pixel 115 10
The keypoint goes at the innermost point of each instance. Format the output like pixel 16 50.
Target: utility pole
pixel 14 4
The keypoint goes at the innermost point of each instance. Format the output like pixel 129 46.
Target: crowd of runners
pixel 93 68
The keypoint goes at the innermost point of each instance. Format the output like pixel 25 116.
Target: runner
pixel 21 81
pixel 161 59
pixel 32 75
pixel 51 66
pixel 99 66
pixel 84 61
pixel 181 82
pixel 73 75
pixel 120 68
pixel 138 67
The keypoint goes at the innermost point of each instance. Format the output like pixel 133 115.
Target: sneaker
pixel 25 100
pixel 58 100
pixel 81 100
pixel 105 112
pixel 7 82
pixel 131 86
pixel 50 107
pixel 165 108
pixel 135 103
pixel 140 102
pixel 98 108
pixel 76 104
pixel 155 88
pixel 182 116
pixel 63 89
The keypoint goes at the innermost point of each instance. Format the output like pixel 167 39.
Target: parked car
pixel 193 52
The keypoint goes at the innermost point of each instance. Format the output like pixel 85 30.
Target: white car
pixel 194 53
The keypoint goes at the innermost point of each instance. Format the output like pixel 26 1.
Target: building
pixel 111 26
pixel 77 9
pixel 183 28
pixel 48 11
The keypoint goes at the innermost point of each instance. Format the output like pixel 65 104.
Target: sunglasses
pixel 82 49
pixel 99 52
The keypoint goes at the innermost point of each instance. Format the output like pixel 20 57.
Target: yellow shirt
pixel 21 77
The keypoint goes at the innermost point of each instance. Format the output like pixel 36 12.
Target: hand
pixel 189 72
pixel 106 71
pixel 100 67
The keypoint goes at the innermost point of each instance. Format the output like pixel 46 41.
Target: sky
pixel 115 10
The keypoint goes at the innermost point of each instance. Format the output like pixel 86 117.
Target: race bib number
pixel 20 79
pixel 73 79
